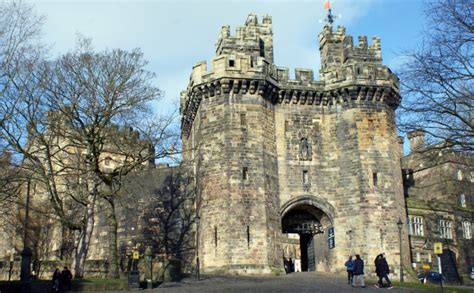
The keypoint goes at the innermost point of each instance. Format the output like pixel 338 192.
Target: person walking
pixel 382 270
pixel 66 277
pixel 350 268
pixel 56 280
pixel 358 271
pixel 286 264
pixel 376 261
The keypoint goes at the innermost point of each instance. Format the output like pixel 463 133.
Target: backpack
pixel 349 265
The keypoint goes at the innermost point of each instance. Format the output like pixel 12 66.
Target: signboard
pixel 135 254
pixel 438 248
pixel 134 280
pixel 331 238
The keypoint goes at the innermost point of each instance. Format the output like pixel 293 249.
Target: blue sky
pixel 174 35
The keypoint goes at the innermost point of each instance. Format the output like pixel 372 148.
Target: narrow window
pixel 215 236
pixel 252 62
pixel 375 179
pixel 371 124
pixel 262 48
pixel 429 257
pixel 462 200
pixel 370 129
pixel 245 173
pixel 466 229
pixel 248 236
pixel 305 177
pixel 243 119
pixel 231 63
pixel 286 125
pixel 358 70
pixel 418 257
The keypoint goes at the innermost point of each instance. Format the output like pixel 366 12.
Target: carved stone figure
pixel 305 149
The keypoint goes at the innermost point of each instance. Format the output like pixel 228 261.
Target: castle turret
pixel 253 39
pixel 417 140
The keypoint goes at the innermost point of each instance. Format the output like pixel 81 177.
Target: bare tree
pixel 437 80
pixel 19 35
pixel 19 45
pixel 70 122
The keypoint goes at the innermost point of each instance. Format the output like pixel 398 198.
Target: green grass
pixel 432 288
pixel 426 287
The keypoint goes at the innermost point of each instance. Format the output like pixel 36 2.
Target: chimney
pixel 417 140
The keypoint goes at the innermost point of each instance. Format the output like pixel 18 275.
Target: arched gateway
pixel 307 221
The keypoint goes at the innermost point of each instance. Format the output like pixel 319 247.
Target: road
pixel 296 282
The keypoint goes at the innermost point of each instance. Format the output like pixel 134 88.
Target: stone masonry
pixel 268 150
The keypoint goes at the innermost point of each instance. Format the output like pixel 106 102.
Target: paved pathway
pixel 296 282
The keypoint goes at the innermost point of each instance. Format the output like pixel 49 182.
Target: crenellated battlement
pixel 338 49
pixel 252 39
pixel 244 64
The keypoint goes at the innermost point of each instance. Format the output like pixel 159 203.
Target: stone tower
pixel 298 168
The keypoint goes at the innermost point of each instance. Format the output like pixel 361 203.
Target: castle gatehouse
pixel 300 168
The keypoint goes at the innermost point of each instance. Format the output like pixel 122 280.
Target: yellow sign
pixel 438 248
pixel 426 267
pixel 135 255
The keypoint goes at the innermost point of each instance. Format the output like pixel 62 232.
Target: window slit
pixel 248 236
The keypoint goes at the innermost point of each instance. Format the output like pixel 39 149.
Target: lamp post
pixel 197 249
pixel 149 259
pixel 26 252
pixel 400 226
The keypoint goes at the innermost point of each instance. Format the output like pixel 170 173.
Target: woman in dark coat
pixel 382 270
pixel 56 279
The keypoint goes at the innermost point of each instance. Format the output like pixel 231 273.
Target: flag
pixel 327 5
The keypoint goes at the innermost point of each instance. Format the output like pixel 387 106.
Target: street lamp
pixel 400 226
pixel 197 248
pixel 149 259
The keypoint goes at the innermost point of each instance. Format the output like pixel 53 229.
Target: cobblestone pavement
pixel 296 282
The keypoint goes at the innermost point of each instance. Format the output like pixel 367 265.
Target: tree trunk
pixel 83 242
pixel 113 250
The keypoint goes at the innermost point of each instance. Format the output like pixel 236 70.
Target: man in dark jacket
pixel 358 272
pixel 382 270
pixel 66 278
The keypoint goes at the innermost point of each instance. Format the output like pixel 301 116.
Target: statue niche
pixel 305 150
